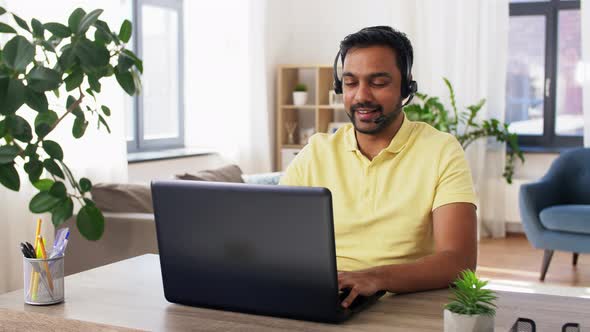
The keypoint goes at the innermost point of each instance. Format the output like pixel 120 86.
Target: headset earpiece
pixel 337 81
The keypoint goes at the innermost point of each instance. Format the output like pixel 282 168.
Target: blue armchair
pixel 555 211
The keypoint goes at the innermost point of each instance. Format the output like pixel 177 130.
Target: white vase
pixel 299 98
pixel 465 323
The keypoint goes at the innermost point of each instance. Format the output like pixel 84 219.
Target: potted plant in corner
pixel 472 308
pixel 41 59
pixel 300 94
pixel 463 124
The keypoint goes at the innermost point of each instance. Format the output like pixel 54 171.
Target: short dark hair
pixel 382 36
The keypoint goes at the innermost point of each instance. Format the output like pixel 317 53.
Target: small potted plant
pixel 300 94
pixel 472 307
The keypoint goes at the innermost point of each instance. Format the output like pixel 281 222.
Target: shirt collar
pixel 398 143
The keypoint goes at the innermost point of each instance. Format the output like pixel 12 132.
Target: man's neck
pixel 371 145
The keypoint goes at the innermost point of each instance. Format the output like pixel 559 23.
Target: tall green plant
pixel 44 58
pixel 464 125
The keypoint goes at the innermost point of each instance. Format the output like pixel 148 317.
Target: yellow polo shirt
pixel 383 208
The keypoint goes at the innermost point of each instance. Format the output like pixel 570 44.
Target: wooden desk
pixel 129 294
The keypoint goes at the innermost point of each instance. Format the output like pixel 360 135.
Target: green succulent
pixel 300 87
pixel 470 297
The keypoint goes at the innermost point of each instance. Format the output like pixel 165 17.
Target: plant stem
pixel 68 111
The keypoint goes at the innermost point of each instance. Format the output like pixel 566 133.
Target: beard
pixel 378 124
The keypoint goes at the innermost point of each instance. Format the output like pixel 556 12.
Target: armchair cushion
pixel 567 218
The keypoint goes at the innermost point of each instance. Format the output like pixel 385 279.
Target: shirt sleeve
pixel 455 184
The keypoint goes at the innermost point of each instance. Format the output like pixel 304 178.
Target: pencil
pixel 35 276
pixel 44 256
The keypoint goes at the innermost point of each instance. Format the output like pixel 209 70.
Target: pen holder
pixel 43 280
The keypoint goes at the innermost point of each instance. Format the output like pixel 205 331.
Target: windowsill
pixel 542 149
pixel 145 156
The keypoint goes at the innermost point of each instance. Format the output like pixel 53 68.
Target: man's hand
pixel 364 282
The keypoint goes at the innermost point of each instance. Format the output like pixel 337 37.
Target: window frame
pixel 139 143
pixel 550 10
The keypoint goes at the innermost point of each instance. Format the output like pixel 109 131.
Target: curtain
pixel 226 91
pixel 465 41
pixel 99 156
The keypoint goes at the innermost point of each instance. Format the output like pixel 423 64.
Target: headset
pixel 408 90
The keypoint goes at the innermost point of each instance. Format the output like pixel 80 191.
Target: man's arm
pixel 455 236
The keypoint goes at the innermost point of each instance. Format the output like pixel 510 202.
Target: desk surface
pixel 129 294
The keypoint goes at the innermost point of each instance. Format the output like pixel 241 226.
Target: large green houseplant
pixel 464 124
pixel 41 59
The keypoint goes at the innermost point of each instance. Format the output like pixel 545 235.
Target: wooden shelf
pixel 339 107
pixel 292 146
pixel 301 107
pixel 317 115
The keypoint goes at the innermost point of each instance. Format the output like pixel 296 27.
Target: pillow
pixel 229 173
pixel 263 178
pixel 122 197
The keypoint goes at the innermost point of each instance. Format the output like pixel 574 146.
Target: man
pixel 404 213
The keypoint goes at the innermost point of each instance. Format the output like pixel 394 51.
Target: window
pixel 157 120
pixel 545 73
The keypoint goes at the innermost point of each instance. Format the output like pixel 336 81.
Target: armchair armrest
pixel 533 198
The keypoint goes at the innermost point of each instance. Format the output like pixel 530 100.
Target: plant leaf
pixel 74 79
pixel 85 185
pixel 43 79
pixel 2 11
pixel 79 127
pixel 90 222
pixel 53 168
pixel 44 122
pixel 103 121
pixel 136 60
pixel 36 100
pixel 92 55
pixel 53 149
pixel 43 184
pixel 8 153
pixel 106 110
pixel 37 28
pixel 18 53
pixel 67 58
pixel 75 18
pixel 5 28
pixel 43 202
pixel 34 168
pixel 125 81
pixel 9 177
pixel 21 23
pixel 12 95
pixel 88 20
pixel 125 31
pixel 58 29
pixel 63 211
pixel 19 128
pixel 58 190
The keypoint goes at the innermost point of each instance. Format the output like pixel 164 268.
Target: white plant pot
pixel 465 323
pixel 299 98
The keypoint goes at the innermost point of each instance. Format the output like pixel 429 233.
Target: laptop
pixel 261 249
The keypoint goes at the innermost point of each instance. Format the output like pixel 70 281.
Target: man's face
pixel 371 84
